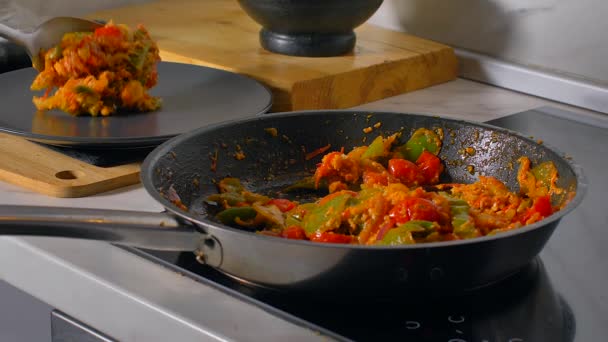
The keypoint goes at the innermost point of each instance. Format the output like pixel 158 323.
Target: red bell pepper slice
pixel 330 237
pixel 284 205
pixel 294 232
pixel 108 31
pixel 405 171
pixel 430 166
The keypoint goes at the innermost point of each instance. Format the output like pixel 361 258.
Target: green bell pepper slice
pixel 326 216
pixel 56 53
pixel 232 192
pixel 230 184
pixel 403 235
pixel 544 172
pixel 229 215
pixel 375 149
pixel 291 220
pixel 230 198
pixel 422 140
pixel 462 222
pixel 82 89
pixel 139 57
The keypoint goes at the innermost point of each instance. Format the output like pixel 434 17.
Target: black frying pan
pixel 184 165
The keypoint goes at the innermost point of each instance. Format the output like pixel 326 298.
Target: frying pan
pixel 184 166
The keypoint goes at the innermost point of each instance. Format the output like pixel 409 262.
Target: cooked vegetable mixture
pixel 97 73
pixel 384 194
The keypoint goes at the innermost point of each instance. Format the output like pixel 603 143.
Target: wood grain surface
pixel 217 33
pixel 52 173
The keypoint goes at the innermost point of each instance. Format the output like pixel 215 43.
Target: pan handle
pixel 158 231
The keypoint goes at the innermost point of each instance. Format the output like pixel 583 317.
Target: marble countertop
pixel 133 299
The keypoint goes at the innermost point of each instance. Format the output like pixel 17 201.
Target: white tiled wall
pixel 563 36
pixel 29 13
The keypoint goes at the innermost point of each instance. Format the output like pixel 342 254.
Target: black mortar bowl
pixel 310 28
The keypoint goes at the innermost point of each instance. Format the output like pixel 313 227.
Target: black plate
pixel 193 96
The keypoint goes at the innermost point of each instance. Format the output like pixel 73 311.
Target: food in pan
pixel 100 72
pixel 390 194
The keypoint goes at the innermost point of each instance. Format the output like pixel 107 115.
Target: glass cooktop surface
pixel 560 296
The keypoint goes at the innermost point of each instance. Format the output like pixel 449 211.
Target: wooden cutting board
pixel 217 33
pixel 52 173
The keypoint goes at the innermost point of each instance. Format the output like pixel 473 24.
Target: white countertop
pixel 133 299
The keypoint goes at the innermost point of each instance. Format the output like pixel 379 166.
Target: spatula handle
pixel 14 35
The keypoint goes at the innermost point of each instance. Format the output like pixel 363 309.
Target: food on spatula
pixel 100 73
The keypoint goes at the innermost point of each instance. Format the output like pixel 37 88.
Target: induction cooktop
pixel 559 296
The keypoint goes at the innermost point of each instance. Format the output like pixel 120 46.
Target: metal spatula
pixel 47 35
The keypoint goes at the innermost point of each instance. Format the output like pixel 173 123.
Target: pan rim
pixel 166 147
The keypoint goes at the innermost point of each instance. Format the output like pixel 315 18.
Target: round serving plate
pixel 192 96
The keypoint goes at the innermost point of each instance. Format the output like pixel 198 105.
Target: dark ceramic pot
pixel 312 28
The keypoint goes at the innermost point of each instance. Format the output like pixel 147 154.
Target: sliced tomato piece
pixel 414 208
pixel 108 31
pixel 294 232
pixel 284 205
pixel 430 166
pixel 542 206
pixel 405 171
pixel 330 237
pixel 325 168
pixel 371 177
